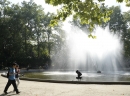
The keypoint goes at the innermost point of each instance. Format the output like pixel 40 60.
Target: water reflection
pixel 87 76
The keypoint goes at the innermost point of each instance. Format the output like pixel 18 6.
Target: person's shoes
pixel 5 92
pixel 17 92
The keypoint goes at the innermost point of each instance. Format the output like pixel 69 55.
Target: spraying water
pixel 81 52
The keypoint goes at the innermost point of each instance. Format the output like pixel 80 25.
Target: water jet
pixel 102 55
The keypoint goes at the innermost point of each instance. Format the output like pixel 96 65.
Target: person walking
pixel 11 79
pixel 17 71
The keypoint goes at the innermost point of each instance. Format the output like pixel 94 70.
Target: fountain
pixel 99 59
pixel 83 53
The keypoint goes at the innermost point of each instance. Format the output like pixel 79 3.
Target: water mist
pixel 83 53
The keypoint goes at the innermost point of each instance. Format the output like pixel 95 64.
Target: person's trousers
pixel 18 81
pixel 9 83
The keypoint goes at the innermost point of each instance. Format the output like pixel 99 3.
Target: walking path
pixel 33 88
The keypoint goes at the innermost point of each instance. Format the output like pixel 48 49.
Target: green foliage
pixel 119 1
pixel 92 36
pixel 126 34
pixel 126 1
pixel 87 11
pixel 126 16
pixel 25 33
pixel 119 24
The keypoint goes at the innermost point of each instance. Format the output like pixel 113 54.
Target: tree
pixel 126 35
pixel 49 30
pixel 87 11
pixel 117 23
pixel 5 45
pixel 126 16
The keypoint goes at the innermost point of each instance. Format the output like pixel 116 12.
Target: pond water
pixel 122 76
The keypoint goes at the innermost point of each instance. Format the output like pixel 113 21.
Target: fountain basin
pixel 119 76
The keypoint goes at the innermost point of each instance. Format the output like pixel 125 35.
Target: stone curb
pixel 74 82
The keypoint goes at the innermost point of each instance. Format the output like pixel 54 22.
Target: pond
pixel 122 76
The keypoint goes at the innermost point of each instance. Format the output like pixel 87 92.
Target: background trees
pixel 25 34
pixel 126 34
pixel 27 37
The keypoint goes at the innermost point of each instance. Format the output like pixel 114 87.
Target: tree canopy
pixel 25 34
pixel 87 11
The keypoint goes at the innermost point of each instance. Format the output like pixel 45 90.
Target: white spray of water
pixel 81 52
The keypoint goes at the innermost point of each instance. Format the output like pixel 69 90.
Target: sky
pixel 50 8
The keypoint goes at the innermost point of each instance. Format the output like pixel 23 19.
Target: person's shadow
pixel 8 94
